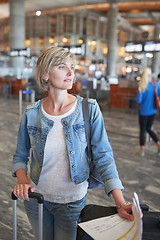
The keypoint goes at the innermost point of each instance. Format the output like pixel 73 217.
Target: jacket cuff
pixel 111 184
pixel 17 166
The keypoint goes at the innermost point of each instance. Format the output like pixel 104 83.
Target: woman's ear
pixel 45 76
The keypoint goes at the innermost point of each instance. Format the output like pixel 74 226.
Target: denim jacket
pixel 32 134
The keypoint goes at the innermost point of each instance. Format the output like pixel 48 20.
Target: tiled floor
pixel 141 175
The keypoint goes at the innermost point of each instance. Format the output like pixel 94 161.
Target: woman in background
pixel 147 109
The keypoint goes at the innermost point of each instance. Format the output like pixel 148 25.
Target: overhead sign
pixel 131 47
pixel 76 50
pixel 152 46
pixel 145 46
pixel 25 52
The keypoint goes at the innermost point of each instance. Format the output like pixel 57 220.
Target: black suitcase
pixel 40 200
pixel 151 225
pixel 151 220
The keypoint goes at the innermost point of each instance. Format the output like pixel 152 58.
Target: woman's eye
pixel 72 68
pixel 61 67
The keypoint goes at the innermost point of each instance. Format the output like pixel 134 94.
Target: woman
pixel 147 109
pixel 53 129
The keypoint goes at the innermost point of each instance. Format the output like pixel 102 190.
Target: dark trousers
pixel 146 123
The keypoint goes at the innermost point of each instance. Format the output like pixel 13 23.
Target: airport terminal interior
pixel 113 41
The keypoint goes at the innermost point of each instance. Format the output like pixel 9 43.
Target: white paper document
pixel 114 227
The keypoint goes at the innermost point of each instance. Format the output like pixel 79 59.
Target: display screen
pixel 146 46
pixel 152 46
pixel 76 50
pixel 131 47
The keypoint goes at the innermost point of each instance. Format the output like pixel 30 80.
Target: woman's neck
pixel 58 105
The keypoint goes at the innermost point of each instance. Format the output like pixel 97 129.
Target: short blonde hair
pixel 146 77
pixel 52 56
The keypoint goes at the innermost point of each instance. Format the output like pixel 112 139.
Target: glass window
pixel 68 23
pixel 27 42
pixel 41 43
pixel 84 25
pixel 53 24
pixel 51 41
pixel 92 45
pixel 102 27
pixel 92 27
pixel 104 48
pixel 78 19
pixel 40 27
pixel 122 36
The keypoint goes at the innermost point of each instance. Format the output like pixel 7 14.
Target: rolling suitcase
pixel 40 200
pixel 151 220
pixel 151 225
pixel 91 212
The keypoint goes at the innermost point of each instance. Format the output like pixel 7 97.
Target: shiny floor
pixel 138 174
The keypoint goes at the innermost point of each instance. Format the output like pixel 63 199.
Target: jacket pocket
pixel 79 129
pixel 34 132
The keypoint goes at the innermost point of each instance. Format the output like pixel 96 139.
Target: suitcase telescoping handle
pixel 40 200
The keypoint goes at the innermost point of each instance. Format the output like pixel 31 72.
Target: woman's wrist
pixel 121 204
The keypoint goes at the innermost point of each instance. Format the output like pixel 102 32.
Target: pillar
pixel 155 61
pixel 144 62
pixel 112 40
pixel 17 30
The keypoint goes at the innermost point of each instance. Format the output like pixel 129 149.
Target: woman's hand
pixel 126 211
pixel 21 191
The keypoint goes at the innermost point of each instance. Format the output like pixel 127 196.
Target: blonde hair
pixel 52 56
pixel 146 77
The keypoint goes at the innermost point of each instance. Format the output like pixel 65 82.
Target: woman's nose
pixel 69 71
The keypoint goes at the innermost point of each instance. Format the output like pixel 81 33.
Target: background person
pixel 53 129
pixel 147 110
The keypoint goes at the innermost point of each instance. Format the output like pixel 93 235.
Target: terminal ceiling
pixel 144 14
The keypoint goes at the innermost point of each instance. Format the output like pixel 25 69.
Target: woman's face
pixel 61 76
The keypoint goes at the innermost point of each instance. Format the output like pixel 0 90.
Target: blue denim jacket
pixel 32 134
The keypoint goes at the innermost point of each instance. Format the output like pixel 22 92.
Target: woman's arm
pixel 20 160
pixel 139 97
pixel 21 156
pixel 158 89
pixel 102 152
pixel 123 209
pixel 105 163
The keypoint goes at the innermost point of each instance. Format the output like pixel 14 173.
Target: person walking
pixel 147 110
pixel 52 136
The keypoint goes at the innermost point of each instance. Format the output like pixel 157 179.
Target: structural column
pixel 112 40
pixel 17 29
pixel 155 62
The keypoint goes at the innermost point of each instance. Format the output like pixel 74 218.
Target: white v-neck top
pixel 55 180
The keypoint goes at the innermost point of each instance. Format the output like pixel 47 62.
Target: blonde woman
pixel 147 108
pixel 53 131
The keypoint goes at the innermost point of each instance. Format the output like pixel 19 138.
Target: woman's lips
pixel 67 80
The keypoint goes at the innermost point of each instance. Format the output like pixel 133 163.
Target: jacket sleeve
pixel 102 152
pixel 21 157
pixel 139 97
pixel 158 89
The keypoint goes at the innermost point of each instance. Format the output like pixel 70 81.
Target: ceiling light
pixel 80 41
pixel 65 40
pixel 38 13
pixel 51 40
